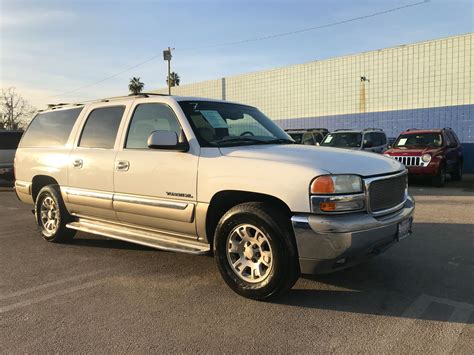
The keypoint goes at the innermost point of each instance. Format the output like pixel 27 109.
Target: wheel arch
pixel 224 200
pixel 40 181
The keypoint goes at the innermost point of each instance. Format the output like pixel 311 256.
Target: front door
pixel 91 163
pixel 155 188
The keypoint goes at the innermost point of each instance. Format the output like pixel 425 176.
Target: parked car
pixel 308 136
pixel 369 139
pixel 193 175
pixel 8 143
pixel 431 153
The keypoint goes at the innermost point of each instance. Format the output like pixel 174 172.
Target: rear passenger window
pixel 50 129
pixel 9 140
pixel 148 118
pixel 101 127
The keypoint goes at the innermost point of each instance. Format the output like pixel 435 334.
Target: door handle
pixel 77 163
pixel 122 165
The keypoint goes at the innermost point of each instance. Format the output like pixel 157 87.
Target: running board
pixel 158 240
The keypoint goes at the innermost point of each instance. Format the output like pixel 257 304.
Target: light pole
pixel 167 56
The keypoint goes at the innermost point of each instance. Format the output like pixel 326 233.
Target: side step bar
pixel 158 240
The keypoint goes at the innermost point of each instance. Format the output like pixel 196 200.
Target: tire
pixel 52 216
pixel 258 240
pixel 457 173
pixel 440 179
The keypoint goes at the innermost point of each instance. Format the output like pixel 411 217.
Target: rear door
pixel 155 187
pixel 91 162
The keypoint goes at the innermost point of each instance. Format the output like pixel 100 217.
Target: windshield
pixel 419 140
pixel 222 124
pixel 343 140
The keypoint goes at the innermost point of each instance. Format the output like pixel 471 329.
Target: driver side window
pixel 148 118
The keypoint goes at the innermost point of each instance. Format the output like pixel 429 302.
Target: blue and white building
pixel 422 85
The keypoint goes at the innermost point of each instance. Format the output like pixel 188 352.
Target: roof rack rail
pixel 448 128
pixel 61 104
pixel 411 129
pixel 142 94
pixel 343 129
pixel 373 129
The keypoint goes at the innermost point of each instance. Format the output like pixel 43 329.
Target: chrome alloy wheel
pixel 249 253
pixel 49 216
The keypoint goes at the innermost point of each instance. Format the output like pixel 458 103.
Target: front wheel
pixel 255 254
pixel 440 179
pixel 52 216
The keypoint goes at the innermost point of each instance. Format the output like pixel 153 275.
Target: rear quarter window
pixel 50 129
pixel 9 140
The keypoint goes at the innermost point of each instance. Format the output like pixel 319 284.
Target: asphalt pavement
pixel 100 295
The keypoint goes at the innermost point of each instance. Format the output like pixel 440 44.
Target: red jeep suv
pixel 431 153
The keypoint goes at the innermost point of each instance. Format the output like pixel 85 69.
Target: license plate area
pixel 404 229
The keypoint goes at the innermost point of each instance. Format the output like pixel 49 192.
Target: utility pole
pixel 167 56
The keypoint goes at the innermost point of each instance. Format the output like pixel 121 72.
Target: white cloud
pixel 22 18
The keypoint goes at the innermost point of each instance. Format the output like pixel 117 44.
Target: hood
pixel 411 151
pixel 332 160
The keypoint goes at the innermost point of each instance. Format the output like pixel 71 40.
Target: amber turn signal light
pixel 327 206
pixel 323 185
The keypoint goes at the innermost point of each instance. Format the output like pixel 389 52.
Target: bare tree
pixel 15 111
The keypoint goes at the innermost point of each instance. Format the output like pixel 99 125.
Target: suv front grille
pixel 409 161
pixel 386 193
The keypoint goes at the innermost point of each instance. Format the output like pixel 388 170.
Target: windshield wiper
pixel 280 141
pixel 239 140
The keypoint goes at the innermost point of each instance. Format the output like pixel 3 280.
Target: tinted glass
pixel 225 124
pixel 452 138
pixel 10 140
pixel 148 118
pixel 343 140
pixel 297 137
pixel 101 127
pixel 50 129
pixel 419 140
pixel 308 139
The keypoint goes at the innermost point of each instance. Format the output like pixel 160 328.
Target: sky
pixel 49 48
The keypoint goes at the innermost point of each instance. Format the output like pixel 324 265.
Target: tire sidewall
pixel 48 191
pixel 251 290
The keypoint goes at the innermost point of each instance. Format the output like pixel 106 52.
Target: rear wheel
pixel 255 254
pixel 52 216
pixel 440 179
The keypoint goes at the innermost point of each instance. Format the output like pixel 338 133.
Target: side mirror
pixel 166 140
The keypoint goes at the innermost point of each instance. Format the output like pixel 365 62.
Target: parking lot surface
pixel 101 295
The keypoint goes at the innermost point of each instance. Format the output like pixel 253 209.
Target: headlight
pixel 426 158
pixel 336 184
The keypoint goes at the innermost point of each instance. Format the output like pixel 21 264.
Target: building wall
pixel 424 85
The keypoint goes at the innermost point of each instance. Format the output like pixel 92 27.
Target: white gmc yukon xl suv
pixel 197 175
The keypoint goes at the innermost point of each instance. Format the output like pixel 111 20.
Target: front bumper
pixel 330 243
pixel 430 170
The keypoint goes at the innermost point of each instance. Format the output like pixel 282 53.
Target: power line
pixel 248 40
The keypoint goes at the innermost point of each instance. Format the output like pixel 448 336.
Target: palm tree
pixel 135 86
pixel 174 79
